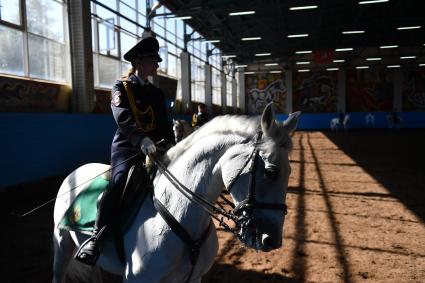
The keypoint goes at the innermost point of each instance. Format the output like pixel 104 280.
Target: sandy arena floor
pixel 356 213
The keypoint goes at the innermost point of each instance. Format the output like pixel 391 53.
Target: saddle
pixel 81 214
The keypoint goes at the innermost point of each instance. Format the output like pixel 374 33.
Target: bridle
pixel 244 210
pixel 242 214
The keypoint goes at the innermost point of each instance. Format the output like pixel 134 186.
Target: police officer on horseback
pixel 140 113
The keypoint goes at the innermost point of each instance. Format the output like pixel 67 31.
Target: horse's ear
pixel 268 123
pixel 290 124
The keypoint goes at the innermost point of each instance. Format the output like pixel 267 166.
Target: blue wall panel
pixel 35 146
pixel 317 121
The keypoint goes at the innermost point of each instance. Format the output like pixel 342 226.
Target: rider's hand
pixel 147 146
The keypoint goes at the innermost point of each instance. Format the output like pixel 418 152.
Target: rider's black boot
pixel 89 251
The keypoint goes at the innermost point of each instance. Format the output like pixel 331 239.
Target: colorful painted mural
pixel 370 89
pixel 315 91
pixel 414 89
pixel 24 95
pixel 262 89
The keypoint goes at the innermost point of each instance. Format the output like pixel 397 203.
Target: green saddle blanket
pixel 81 215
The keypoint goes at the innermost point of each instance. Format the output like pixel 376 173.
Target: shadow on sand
pixel 395 159
pixel 226 273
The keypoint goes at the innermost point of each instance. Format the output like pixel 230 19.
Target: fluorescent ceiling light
pixel 271 64
pixel 303 70
pixel 388 46
pixel 372 1
pixel 304 52
pixel 412 27
pixel 352 31
pixel 241 66
pixel 263 54
pixel 374 59
pixel 224 57
pixel 183 18
pixel 393 66
pixel 275 72
pixel 332 69
pixel 344 49
pixel 297 35
pixel 302 63
pixel 212 41
pixel 422 64
pixel 303 7
pixel 249 73
pixel 339 61
pixel 407 57
pixel 251 38
pixel 362 67
pixel 242 13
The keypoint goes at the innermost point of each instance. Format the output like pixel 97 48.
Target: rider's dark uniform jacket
pixel 151 111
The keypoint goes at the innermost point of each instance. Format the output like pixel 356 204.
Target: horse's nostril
pixel 267 241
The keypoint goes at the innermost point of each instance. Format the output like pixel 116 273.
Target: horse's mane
pixel 240 125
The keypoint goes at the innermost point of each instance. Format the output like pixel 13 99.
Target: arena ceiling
pixel 374 25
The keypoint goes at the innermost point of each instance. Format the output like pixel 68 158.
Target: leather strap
pixel 177 228
pixel 132 103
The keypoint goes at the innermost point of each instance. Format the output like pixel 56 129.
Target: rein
pixel 242 214
pixel 193 245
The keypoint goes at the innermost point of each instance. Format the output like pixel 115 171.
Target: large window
pixel 114 33
pixel 229 101
pixel 197 79
pixel 11 51
pixel 216 86
pixel 10 12
pixel 39 49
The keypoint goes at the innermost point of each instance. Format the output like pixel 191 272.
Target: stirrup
pixel 89 251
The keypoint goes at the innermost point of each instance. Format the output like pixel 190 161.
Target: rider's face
pixel 147 66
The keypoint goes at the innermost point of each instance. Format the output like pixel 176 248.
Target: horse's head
pixel 256 173
pixel 181 129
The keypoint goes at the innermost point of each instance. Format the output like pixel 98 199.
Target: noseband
pixel 245 208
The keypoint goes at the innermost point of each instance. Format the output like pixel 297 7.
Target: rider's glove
pixel 147 146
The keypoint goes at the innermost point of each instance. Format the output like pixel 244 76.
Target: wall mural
pixel 33 96
pixel 315 91
pixel 370 90
pixel 262 89
pixel 414 89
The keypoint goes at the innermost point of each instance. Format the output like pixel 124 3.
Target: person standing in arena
pixel 200 118
pixel 140 113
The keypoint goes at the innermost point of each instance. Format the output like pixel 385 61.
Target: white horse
pixel 370 120
pixel 335 123
pixel 181 129
pixel 219 155
pixel 394 121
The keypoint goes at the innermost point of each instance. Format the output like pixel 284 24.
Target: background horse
pixel 214 157
pixel 335 123
pixel 181 129
pixel 370 120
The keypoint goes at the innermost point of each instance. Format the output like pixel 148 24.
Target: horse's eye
pixel 271 173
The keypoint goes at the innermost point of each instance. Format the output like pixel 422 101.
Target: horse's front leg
pixel 63 247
